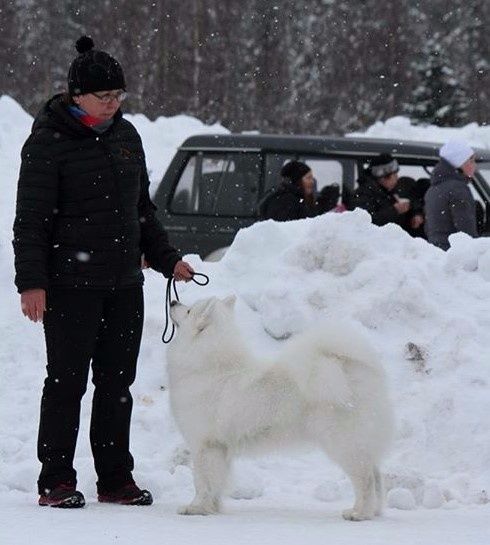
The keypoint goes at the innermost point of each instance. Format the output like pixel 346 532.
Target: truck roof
pixel 362 146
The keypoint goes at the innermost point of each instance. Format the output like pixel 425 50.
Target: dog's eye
pixel 189 311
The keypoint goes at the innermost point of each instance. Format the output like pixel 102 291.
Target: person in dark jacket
pixel 84 219
pixel 378 194
pixel 449 204
pixel 294 198
pixel 414 190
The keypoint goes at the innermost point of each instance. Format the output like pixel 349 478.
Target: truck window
pixel 327 171
pixel 484 170
pixel 218 184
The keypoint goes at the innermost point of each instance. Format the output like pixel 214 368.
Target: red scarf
pixel 84 117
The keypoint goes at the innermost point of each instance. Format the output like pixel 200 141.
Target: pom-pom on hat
pixel 93 70
pixel 294 171
pixel 456 152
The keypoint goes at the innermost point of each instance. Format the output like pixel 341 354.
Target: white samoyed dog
pixel 326 388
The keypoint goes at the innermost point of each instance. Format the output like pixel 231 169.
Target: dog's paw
pixel 352 514
pixel 196 509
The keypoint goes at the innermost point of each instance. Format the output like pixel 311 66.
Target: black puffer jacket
pixel 84 214
pixel 379 202
pixel 286 203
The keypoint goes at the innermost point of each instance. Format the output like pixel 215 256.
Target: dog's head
pixel 202 315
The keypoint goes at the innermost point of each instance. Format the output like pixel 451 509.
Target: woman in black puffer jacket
pixel 83 221
pixel 84 214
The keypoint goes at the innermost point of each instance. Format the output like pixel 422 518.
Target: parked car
pixel 214 183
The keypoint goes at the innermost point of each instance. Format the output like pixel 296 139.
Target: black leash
pixel 168 300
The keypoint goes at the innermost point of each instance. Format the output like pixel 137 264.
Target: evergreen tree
pixel 476 55
pixel 302 66
pixel 439 97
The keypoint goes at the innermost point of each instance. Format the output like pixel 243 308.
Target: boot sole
pixel 72 502
pixel 140 500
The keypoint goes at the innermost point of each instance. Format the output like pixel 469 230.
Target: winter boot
pixel 63 495
pixel 129 494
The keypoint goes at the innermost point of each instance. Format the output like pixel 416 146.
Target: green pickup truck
pixel 214 183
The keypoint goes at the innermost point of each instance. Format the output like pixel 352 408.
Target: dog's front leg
pixel 211 467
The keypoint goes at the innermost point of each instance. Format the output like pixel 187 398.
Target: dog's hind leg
pixel 379 490
pixel 362 475
pixel 358 464
pixel 211 468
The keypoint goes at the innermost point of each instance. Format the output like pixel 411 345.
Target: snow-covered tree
pixel 440 97
pixel 309 66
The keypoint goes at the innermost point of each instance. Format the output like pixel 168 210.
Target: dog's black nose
pixel 173 303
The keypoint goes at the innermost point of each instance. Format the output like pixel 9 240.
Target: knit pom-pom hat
pixel 93 70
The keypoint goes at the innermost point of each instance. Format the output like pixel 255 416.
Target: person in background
pixel 414 190
pixel 83 220
pixel 378 195
pixel 449 204
pixel 294 198
pixel 328 199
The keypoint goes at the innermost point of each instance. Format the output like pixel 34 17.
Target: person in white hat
pixel 449 204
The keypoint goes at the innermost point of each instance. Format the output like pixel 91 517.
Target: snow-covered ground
pixel 427 312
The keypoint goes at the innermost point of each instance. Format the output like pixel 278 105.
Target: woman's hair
pixel 294 171
pixel 68 99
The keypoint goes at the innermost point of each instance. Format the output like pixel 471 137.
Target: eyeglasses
pixel 106 98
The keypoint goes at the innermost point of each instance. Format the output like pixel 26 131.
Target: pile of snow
pixel 425 310
pixel 403 128
pixel 162 136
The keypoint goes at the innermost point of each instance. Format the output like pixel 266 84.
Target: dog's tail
pixel 321 361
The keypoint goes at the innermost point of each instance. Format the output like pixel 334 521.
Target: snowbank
pixel 162 136
pixel 426 311
pixel 403 128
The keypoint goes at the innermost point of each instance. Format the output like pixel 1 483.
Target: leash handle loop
pixel 168 299
pixel 203 282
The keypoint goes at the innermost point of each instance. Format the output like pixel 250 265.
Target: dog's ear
pixel 204 313
pixel 230 301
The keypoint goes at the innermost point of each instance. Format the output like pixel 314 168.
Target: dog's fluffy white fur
pixel 325 388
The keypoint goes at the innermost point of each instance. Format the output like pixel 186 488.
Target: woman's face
pixel 469 167
pixel 96 104
pixel 389 182
pixel 308 183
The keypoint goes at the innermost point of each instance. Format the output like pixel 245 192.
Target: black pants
pixel 82 327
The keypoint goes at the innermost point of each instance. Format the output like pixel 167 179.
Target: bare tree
pixel 318 66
